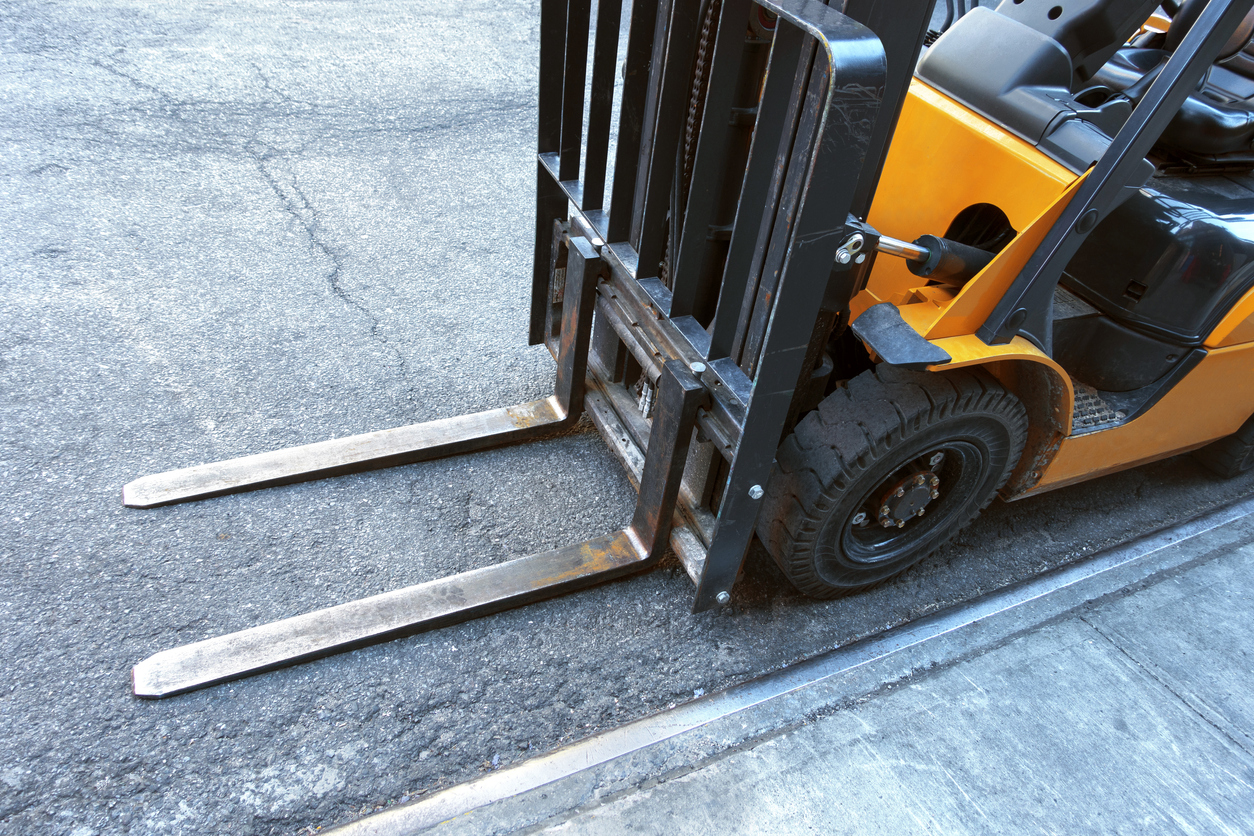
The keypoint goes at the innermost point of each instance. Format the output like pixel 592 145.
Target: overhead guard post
pixel 1026 308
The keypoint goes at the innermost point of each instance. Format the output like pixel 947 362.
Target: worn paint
pixel 536 413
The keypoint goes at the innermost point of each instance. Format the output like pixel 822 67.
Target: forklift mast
pixel 747 299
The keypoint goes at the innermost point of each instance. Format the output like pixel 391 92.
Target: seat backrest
pixel 1009 65
pixel 1188 15
pixel 1089 30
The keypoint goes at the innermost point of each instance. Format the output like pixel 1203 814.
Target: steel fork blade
pixel 392 614
pixel 385 448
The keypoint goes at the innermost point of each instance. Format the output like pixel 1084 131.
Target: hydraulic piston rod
pixel 939 259
pixel 902 249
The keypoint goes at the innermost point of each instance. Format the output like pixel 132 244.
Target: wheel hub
pixel 908 498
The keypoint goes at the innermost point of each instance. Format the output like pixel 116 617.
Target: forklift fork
pixel 817 144
pixel 417 442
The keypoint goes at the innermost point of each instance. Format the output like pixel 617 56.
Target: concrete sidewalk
pixel 1131 716
pixel 1129 713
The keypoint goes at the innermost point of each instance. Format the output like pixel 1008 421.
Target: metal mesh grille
pixel 1091 412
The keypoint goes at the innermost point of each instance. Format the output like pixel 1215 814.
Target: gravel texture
pixel 239 226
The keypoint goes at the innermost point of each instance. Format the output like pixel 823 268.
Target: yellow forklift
pixel 826 277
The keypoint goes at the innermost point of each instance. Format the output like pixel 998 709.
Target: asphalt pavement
pixel 1110 695
pixel 237 227
pixel 1130 715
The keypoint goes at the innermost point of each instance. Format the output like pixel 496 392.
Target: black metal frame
pixel 818 144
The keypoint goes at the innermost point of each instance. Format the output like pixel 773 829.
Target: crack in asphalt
pixel 142 85
pixel 297 204
pixel 265 82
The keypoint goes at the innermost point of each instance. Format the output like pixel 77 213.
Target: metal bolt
pixel 901 523
pixel 936 459
pixel 723 598
pixel 920 479
pixel 900 492
pixel 934 481
pixel 919 512
pixel 935 494
pixel 844 257
pixel 886 523
pixel 756 492
pixel 859 518
pixel 861 258
pixel 698 368
pixel 884 511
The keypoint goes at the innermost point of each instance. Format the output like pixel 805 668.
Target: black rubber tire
pixel 1230 456
pixel 861 438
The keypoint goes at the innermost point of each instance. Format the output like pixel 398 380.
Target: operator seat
pixel 1018 65
pixel 1215 126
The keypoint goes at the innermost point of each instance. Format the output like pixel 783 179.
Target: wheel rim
pixel 868 543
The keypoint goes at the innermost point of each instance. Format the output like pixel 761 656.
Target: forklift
pixel 822 276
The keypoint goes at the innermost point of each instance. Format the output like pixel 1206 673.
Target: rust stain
pixel 534 414
pixel 592 557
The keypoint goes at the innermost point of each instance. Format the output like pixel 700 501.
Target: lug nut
pixel 901 523
pixel 919 512
pixel 900 492
pixel 884 511
pixel 886 523
pixel 920 479
pixel 935 494
pixel 934 481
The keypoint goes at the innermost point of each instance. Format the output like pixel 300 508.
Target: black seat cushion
pixel 1205 126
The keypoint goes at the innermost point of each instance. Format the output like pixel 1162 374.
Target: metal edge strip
pixel 1039 599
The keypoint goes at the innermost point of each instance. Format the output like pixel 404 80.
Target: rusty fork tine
pixel 459 597
pixel 406 445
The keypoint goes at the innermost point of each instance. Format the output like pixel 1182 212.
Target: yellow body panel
pixel 1212 401
pixel 970 350
pixel 939 312
pixel 944 158
pixel 1237 327
pixel 977 298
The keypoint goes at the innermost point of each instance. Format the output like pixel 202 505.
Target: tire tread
pixel 846 435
